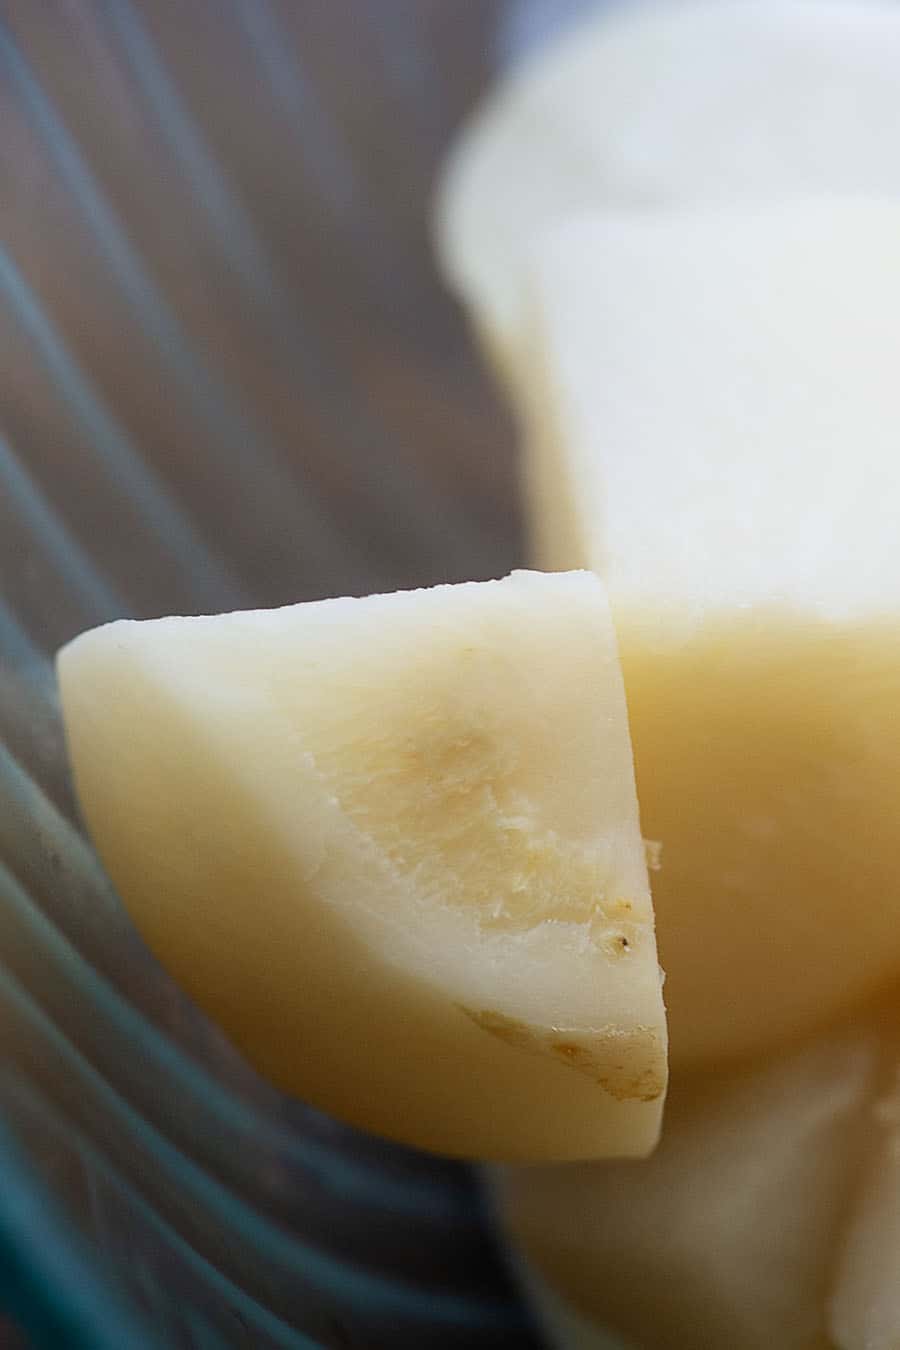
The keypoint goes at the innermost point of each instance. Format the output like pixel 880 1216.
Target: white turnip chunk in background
pixel 392 846
pixel 714 421
pixel 659 104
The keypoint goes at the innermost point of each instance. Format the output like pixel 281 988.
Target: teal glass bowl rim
pixel 49 1285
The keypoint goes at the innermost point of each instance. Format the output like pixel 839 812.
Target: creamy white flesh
pixel 714 424
pixel 392 846
pixel 865 1312
pixel 726 1238
pixel 655 105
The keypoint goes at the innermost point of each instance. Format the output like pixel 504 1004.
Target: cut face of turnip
pixel 392 846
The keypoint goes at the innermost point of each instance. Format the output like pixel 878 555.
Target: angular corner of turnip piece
pixel 865 1309
pixel 392 845
pixel 665 104
pixel 713 428
pixel 727 1236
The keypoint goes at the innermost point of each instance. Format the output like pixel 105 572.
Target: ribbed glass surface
pixel 229 376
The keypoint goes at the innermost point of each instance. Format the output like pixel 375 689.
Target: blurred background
pixel 223 334
pixel 229 376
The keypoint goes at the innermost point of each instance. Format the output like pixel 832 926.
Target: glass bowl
pixel 230 377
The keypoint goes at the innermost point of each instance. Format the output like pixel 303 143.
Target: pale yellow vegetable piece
pixel 392 845
pixel 726 1237
pixel 865 1313
pixel 714 408
pixel 658 104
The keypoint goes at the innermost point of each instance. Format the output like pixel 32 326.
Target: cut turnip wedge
pixel 392 846
pixel 663 104
pixel 726 1237
pixel 714 421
